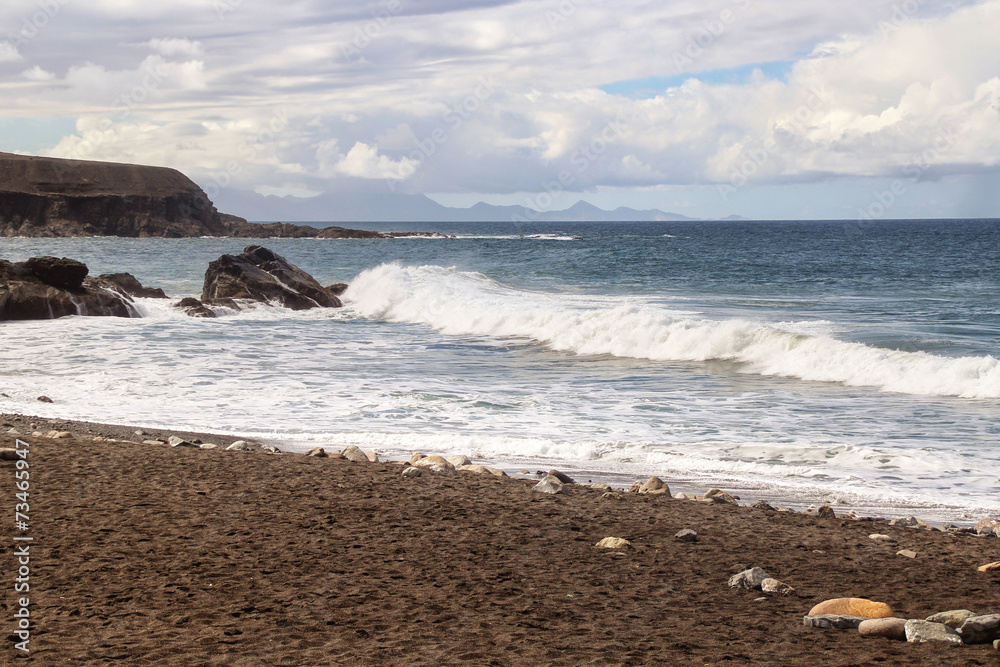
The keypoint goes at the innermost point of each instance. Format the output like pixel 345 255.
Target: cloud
pixel 363 161
pixel 9 53
pixel 175 47
pixel 36 73
pixel 871 90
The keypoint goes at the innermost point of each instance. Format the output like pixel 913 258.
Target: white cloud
pixel 36 73
pixel 9 53
pixel 175 47
pixel 363 161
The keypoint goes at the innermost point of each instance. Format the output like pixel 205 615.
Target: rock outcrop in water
pixel 44 288
pixel 261 275
pixel 48 197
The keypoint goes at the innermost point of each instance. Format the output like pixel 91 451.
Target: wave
pixel 464 303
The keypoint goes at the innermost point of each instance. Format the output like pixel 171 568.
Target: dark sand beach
pixel 146 554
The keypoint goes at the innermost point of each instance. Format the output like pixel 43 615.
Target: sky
pixel 768 109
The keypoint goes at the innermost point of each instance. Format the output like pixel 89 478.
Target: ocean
pixel 805 362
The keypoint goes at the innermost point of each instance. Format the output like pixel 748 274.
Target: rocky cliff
pixel 48 197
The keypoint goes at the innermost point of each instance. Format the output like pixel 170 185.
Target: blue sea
pixel 806 362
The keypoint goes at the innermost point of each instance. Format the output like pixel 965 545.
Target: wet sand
pixel 146 554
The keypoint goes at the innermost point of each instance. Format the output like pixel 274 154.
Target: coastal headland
pixel 145 552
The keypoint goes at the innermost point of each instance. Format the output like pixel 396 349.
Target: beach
pixel 150 554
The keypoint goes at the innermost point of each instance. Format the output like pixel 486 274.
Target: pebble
pixel 318 452
pixel 562 477
pixel 412 471
pixel 175 441
pixel 852 607
pixel 826 512
pixel 907 553
pixel 600 486
pixel 980 629
pixel 208 445
pixel 550 485
pixel 890 628
pixel 770 585
pixel 718 496
pixel 762 505
pixel 435 464
pixel 687 535
pixel 354 454
pixel 654 486
pixel 987 526
pixel 833 621
pixel 153 442
pixel 611 495
pixel 879 537
pixel 459 460
pixel 996 644
pixel 240 446
pixel 614 543
pixel 953 618
pixel 918 632
pixel 749 579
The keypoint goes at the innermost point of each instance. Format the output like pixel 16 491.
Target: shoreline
pixel 147 553
pixel 522 467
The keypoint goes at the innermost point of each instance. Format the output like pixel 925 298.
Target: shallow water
pixel 816 361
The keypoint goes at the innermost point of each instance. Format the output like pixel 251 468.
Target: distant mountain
pixel 381 206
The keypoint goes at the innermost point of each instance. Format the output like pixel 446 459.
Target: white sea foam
pixel 463 303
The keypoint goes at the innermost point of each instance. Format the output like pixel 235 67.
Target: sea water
pixel 808 362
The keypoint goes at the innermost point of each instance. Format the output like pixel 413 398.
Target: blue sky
pixel 761 108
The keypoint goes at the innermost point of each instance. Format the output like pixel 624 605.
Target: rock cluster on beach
pixel 49 287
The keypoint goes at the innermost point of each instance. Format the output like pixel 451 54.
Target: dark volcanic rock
pixel 44 288
pixel 63 273
pixel 261 275
pixel 194 308
pixel 48 197
pixel 127 284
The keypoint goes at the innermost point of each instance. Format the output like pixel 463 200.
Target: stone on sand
pixel 318 452
pixel 918 632
pixel 890 628
pixel 654 486
pixel 833 621
pixel 550 485
pixel 175 441
pixel 687 535
pixel 953 618
pixel 471 467
pixel 412 471
pixel 601 486
pixel 416 456
pixel 980 629
pixel 852 607
pixel 771 585
pixel 354 454
pixel 907 553
pixel 240 446
pixel 562 477
pixel 435 464
pixel 718 497
pixel 749 579
pixel 614 543
pixel 879 537
pixel 372 457
pixel 826 512
pixel 987 526
pixel 989 567
pixel 7 454
pixel 459 460
pixel 762 505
